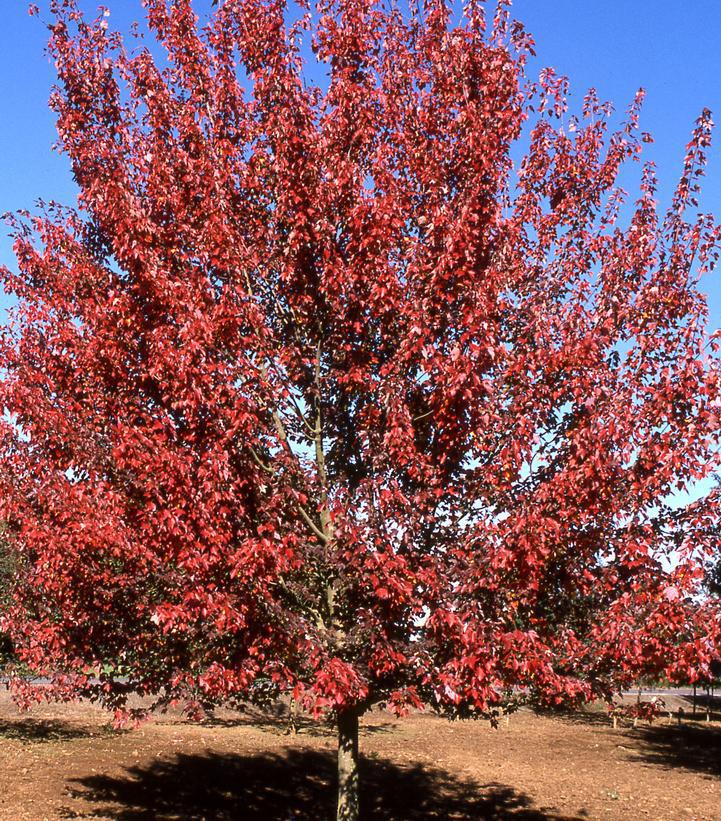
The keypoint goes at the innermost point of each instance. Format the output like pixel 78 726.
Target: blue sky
pixel 669 48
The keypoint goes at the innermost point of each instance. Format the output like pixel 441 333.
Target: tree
pixel 316 391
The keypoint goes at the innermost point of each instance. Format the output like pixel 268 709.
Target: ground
pixel 63 761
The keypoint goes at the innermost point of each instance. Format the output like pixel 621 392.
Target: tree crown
pixel 318 390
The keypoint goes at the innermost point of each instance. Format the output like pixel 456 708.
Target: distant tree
pixel 315 392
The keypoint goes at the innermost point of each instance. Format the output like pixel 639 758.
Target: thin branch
pixel 259 461
pixel 312 525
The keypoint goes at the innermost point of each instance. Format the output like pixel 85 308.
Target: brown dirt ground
pixel 63 761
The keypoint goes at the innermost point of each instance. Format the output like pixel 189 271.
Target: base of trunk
pixel 347 766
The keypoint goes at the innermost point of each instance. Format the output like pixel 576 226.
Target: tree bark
pixel 347 766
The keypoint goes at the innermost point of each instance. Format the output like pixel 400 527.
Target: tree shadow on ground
pixel 41 729
pixel 277 720
pixel 693 746
pixel 593 718
pixel 703 702
pixel 295 785
pixel 269 722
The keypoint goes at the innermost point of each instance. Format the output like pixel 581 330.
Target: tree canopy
pixel 322 389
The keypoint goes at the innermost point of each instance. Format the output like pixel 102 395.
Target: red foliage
pixel 643 710
pixel 318 391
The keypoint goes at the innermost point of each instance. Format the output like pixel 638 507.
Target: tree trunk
pixel 347 766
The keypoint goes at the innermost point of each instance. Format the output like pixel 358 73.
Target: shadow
pixel 39 730
pixel 590 718
pixel 298 785
pixel 277 720
pixel 703 702
pixel 693 746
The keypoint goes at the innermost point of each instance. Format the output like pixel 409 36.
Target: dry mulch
pixel 63 761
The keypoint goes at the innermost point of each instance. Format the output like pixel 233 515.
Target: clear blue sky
pixel 670 48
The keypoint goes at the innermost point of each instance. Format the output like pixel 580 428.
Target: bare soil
pixel 63 761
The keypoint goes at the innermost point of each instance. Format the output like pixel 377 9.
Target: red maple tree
pixel 318 392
